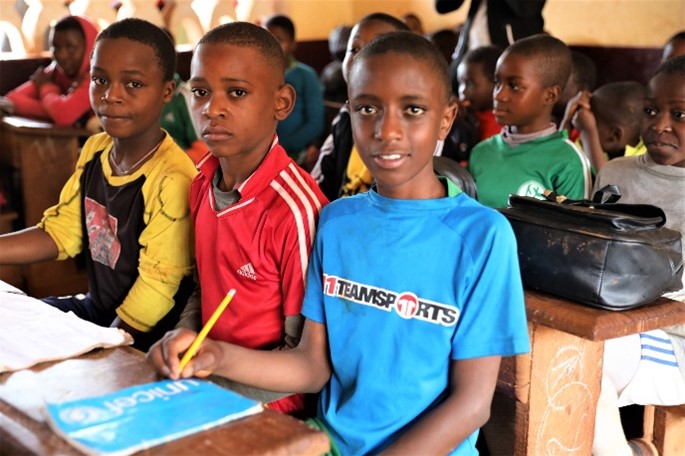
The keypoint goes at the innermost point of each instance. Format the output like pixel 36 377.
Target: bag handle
pixel 606 194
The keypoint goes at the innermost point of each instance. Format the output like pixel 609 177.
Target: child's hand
pixel 165 355
pixel 584 119
pixel 577 102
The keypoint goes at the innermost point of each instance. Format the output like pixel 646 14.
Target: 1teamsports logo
pixel 406 304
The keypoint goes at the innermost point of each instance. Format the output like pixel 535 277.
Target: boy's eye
pixel 134 85
pixel 198 92
pixel 237 93
pixel 98 81
pixel 366 110
pixel 649 112
pixel 353 50
pixel 414 110
pixel 678 115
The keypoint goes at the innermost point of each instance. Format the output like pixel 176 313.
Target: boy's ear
pixel 552 95
pixel 448 118
pixel 285 100
pixel 616 135
pixel 169 89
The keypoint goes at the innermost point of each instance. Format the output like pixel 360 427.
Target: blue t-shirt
pixel 404 287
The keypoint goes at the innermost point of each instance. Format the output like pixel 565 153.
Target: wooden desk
pixel 23 429
pixel 557 385
pixel 42 157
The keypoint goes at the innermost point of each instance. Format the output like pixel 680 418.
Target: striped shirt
pixel 260 245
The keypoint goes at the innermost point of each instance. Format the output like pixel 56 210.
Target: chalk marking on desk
pixel 568 362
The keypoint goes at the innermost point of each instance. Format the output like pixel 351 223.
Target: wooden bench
pixel 555 388
pixel 42 157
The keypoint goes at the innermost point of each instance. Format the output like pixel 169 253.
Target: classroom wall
pixel 630 23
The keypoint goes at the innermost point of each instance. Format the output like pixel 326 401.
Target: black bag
pixel 607 255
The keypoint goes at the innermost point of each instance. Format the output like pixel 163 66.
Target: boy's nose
pixel 388 128
pixel 661 123
pixel 213 108
pixel 112 94
pixel 498 93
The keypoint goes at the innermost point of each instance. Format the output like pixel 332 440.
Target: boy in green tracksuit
pixel 530 155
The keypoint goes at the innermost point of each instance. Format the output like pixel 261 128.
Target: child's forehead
pixel 123 54
pixel 230 61
pixel 522 65
pixel 227 51
pixel 670 85
pixel 382 68
pixel 125 47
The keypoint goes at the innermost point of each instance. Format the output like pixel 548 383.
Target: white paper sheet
pixel 32 332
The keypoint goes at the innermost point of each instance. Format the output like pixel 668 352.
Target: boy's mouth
pixel 215 133
pixel 389 160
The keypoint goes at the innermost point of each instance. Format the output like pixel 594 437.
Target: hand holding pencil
pixel 164 355
pixel 192 350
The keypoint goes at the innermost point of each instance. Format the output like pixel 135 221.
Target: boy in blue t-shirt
pixel 406 320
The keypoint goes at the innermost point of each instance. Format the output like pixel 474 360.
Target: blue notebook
pixel 140 417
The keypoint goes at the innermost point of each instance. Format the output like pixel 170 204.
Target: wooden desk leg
pixel 564 388
pixel 667 431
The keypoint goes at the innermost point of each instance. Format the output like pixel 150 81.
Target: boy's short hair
pixel 69 23
pixel 584 71
pixel 246 34
pixel 619 103
pixel 147 33
pixel 675 66
pixel 388 19
pixel 413 45
pixel 552 55
pixel 486 56
pixel 283 22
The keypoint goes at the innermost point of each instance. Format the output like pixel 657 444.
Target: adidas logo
pixel 247 270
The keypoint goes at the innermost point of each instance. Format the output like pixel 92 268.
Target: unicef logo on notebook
pixel 85 414
pixel 531 188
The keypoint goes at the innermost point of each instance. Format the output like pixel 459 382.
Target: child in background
pixel 530 155
pixel 59 93
pixel 332 79
pixel 648 368
pixel 609 121
pixel 177 119
pixel 304 126
pixel 583 78
pixel 476 76
pixel 255 210
pixel 338 170
pixel 475 121
pixel 126 206
pixel 406 358
pixel 674 46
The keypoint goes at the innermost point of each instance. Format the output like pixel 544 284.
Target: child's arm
pixel 27 246
pixel 305 368
pixel 464 410
pixel 584 120
pixel 26 102
pixel 65 109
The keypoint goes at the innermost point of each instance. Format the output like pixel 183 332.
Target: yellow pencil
pixel 192 350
